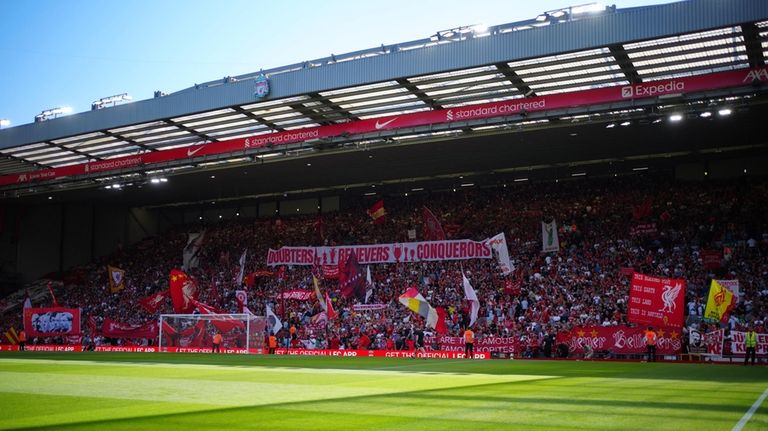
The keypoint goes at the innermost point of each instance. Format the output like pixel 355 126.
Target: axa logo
pixel 627 91
pixel 756 75
pixel 449 115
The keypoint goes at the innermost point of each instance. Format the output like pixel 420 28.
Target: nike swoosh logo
pixel 191 152
pixel 380 126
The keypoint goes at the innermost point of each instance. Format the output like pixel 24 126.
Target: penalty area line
pixel 748 415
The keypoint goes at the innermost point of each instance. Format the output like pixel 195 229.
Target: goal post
pixel 196 331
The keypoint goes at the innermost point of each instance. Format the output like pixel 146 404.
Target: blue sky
pixel 57 53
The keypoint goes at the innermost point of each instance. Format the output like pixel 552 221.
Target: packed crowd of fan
pixel 585 283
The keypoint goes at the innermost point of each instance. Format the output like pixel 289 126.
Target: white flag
pixel 471 296
pixel 191 250
pixel 498 244
pixel 273 323
pixel 549 240
pixel 242 299
pixel 368 284
pixel 242 269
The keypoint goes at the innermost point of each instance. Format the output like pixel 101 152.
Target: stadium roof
pixel 318 127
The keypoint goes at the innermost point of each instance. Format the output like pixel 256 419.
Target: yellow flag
pixel 319 295
pixel 720 302
pixel 116 279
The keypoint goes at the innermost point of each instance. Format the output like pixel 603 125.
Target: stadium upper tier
pixel 579 69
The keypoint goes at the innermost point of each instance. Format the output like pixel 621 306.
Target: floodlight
pixel 105 101
pixel 52 113
pixel 724 112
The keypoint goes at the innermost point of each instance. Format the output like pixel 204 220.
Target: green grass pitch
pixel 134 391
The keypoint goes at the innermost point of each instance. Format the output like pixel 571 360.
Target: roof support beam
pixel 625 63
pixel 128 140
pixel 317 97
pixel 754 47
pixel 72 150
pixel 322 117
pixel 515 79
pixel 190 130
pixel 255 117
pixel 19 159
pixel 413 89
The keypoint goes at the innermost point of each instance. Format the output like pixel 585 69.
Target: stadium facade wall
pixel 626 26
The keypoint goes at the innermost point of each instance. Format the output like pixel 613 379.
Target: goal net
pixel 242 332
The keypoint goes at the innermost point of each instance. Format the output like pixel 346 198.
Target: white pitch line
pixel 748 415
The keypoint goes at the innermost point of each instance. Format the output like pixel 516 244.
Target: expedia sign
pixel 262 87
pixel 650 90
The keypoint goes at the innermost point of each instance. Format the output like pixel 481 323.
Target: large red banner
pixel 115 329
pixel 298 294
pixel 656 301
pixel 683 85
pixel 51 322
pixel 622 340
pixel 461 249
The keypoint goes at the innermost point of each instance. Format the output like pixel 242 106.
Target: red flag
pixel 351 279
pixel 331 271
pixel 250 279
pixel 27 300
pixel 53 297
pixel 92 325
pixel 223 323
pixel 433 231
pixel 656 301
pixel 168 329
pixel 113 328
pixel 319 227
pixel 377 212
pixel 152 303
pixel 329 311
pixel 183 292
pixel 643 210
pixel 241 296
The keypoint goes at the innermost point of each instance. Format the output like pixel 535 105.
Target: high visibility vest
pixel 751 340
pixel 469 336
pixel 650 338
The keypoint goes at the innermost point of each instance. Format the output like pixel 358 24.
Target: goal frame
pixel 241 317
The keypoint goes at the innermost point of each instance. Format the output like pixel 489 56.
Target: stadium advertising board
pixel 52 321
pixel 656 301
pixel 668 87
pixel 437 354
